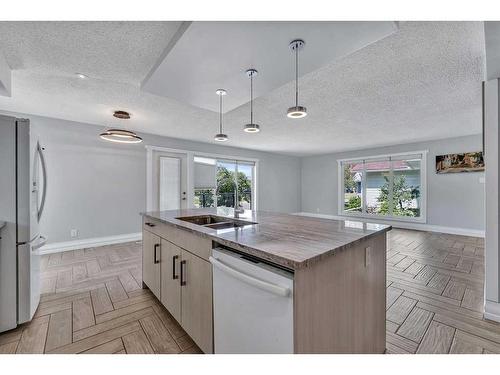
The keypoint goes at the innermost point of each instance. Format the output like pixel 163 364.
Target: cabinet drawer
pixel 197 245
pixel 153 226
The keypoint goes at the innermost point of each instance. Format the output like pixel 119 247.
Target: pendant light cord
pixel 251 98
pixel 220 114
pixel 296 74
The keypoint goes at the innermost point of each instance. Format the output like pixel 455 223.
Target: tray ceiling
pixel 206 56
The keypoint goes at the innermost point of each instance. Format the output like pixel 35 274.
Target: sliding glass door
pixel 245 184
pixel 226 183
pixel 219 181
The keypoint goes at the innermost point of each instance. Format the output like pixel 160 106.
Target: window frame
pixel 423 187
pixel 234 159
pixel 190 172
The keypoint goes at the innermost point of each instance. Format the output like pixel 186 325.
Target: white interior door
pixel 169 181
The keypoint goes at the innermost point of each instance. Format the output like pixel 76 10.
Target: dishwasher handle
pixel 261 284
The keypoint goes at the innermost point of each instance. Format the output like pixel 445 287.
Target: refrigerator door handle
pixel 44 171
pixel 41 241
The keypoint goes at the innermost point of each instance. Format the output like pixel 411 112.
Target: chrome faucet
pixel 238 209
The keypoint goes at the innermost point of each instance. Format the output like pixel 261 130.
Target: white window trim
pixel 190 170
pixel 423 188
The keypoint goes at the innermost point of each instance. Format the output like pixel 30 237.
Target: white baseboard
pixel 492 310
pixel 404 225
pixel 57 247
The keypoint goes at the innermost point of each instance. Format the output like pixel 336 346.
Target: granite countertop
pixel 291 241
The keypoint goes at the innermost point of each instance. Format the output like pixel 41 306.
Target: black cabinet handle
pixel 174 258
pixel 155 257
pixel 183 264
pixel 150 225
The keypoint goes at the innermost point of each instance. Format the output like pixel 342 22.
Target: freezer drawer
pixel 253 305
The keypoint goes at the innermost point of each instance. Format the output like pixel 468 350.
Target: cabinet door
pixel 151 248
pixel 196 290
pixel 170 278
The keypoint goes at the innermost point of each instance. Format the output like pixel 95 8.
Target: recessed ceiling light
pixel 81 75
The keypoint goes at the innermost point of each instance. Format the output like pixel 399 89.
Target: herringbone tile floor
pixel 435 295
pixel 92 302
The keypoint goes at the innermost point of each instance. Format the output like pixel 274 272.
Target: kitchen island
pixel 337 267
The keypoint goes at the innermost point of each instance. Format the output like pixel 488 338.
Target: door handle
pixel 150 224
pixel 44 171
pixel 174 258
pixel 155 260
pixel 183 265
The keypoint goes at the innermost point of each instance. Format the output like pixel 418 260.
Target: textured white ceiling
pixel 212 55
pixel 421 83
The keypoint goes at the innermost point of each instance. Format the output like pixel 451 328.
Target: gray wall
pixel 99 187
pixel 453 200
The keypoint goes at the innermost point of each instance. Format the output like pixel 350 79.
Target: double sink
pixel 215 222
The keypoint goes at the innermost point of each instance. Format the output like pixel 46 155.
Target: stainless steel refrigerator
pixel 23 188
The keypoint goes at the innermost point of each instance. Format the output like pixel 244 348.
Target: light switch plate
pixel 368 251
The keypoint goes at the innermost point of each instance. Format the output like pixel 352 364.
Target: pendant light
pixel 220 137
pixel 251 127
pixel 297 111
pixel 120 135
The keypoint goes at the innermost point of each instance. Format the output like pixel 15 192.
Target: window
pixel 389 187
pixel 204 182
pixel 216 181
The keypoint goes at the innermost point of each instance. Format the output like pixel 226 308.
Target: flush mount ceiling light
pixel 81 75
pixel 251 127
pixel 297 111
pixel 123 115
pixel 120 135
pixel 220 137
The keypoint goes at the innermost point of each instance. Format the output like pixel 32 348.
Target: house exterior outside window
pixel 387 186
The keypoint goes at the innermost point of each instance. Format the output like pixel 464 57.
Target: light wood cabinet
pixel 180 278
pixel 170 278
pixel 196 291
pixel 151 253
